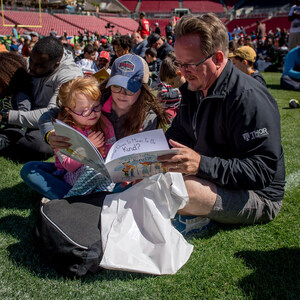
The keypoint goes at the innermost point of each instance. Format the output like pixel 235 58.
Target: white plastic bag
pixel 137 234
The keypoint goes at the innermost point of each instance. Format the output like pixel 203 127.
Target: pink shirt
pixel 63 162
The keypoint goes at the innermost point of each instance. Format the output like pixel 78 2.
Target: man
pixel 105 46
pixel 34 36
pixel 260 30
pixel 290 79
pixel 53 33
pixel 144 26
pixel 15 32
pixel 122 45
pixel 244 58
pixel 50 66
pixel 169 29
pixel 227 131
pixel 294 18
pixel 14 45
pixel 162 48
pixel 157 29
pixel 139 44
pixel 103 61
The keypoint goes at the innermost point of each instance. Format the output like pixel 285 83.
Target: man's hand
pixel 186 161
pixel 57 141
pixel 97 139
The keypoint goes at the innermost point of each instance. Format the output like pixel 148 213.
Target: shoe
pixel 294 103
pixel 191 224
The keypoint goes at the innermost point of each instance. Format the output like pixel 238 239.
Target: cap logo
pixel 126 66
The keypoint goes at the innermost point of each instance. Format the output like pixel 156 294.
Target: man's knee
pixel 202 196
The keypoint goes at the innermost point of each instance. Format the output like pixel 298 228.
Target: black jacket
pixel 163 50
pixel 154 70
pixel 236 129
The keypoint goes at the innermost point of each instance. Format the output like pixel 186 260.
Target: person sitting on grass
pixel 154 66
pixel 226 132
pixel 171 80
pixel 79 107
pixel 290 79
pixel 15 94
pixel 244 58
pixel 49 66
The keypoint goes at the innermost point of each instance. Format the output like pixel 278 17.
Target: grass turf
pixel 230 262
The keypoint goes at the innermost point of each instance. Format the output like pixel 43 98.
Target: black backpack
pixel 68 233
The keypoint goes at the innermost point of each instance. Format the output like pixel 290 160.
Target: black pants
pixel 24 145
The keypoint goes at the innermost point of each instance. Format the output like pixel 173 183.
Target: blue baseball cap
pixel 129 71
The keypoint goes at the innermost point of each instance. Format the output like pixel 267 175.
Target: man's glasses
pixel 118 89
pixel 194 66
pixel 87 112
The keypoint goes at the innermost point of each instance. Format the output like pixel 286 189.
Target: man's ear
pixel 219 57
pixel 179 73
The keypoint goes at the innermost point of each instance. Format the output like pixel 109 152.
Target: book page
pixel 152 140
pixel 81 150
pixel 137 166
pixel 135 157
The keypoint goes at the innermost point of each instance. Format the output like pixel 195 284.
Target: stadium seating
pixel 266 3
pixel 130 4
pixel 203 6
pixel 126 24
pixel 281 22
pixel 92 23
pixel 230 3
pixel 48 21
pixel 158 6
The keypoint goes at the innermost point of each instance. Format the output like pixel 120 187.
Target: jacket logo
pixel 126 66
pixel 247 136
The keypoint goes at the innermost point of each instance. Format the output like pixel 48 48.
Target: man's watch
pixel 4 113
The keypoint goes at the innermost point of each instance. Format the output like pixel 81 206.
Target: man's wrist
pixel 4 116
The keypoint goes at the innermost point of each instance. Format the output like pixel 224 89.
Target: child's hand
pixel 96 138
pixel 57 141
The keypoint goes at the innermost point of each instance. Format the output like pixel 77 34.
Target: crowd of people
pixel 198 82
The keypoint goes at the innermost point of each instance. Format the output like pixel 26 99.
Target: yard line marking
pixel 292 180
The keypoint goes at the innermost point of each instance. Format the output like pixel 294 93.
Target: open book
pixel 101 75
pixel 130 158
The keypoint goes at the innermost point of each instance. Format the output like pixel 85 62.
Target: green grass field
pixel 230 262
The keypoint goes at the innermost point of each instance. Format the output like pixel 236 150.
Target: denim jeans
pixel 38 175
